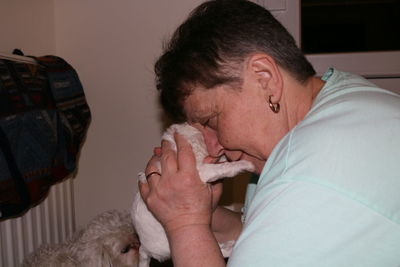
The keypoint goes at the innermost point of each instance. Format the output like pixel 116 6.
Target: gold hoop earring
pixel 274 107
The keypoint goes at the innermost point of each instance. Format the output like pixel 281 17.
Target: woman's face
pixel 235 122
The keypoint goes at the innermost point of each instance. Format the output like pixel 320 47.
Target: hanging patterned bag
pixel 44 117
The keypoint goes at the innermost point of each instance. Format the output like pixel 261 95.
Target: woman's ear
pixel 268 75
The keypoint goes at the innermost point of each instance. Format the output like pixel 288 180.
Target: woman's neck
pixel 300 97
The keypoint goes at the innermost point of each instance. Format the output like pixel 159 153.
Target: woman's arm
pixel 195 246
pixel 226 224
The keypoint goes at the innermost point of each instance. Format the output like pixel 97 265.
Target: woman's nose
pixel 214 148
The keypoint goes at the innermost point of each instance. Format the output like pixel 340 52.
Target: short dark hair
pixel 208 49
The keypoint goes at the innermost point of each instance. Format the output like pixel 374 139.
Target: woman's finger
pixel 216 189
pixel 152 171
pixel 168 161
pixel 157 151
pixel 144 190
pixel 185 155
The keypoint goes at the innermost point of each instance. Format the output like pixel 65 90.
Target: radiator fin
pixel 53 221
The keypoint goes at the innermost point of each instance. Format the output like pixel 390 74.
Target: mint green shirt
pixel 329 194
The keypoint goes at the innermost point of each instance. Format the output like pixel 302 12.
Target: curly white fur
pixel 108 240
pixel 152 237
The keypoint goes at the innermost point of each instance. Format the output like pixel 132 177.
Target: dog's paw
pixel 245 165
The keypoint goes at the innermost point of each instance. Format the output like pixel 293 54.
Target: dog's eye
pixel 126 249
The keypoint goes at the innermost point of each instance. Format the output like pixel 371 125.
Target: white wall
pixel 113 46
pixel 27 25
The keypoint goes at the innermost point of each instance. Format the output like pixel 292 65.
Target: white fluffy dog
pixel 108 240
pixel 152 237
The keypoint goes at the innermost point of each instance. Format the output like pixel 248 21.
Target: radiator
pixel 53 221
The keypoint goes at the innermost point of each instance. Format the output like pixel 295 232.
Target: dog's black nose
pixel 136 245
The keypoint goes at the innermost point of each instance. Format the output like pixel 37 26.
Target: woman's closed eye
pixel 210 122
pixel 205 123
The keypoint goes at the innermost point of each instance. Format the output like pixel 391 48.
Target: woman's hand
pixel 178 198
pixel 183 204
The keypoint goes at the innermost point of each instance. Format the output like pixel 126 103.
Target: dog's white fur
pixel 108 240
pixel 152 237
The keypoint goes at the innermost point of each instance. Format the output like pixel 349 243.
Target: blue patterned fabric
pixel 43 121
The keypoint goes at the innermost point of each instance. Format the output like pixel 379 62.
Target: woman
pixel 327 195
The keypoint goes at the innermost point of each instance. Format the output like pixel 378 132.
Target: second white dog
pixel 154 243
pixel 108 240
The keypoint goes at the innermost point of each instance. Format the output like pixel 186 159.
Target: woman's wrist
pixel 195 245
pixel 187 221
pixel 182 231
pixel 226 224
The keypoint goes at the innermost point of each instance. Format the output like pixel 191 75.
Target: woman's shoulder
pixel 343 88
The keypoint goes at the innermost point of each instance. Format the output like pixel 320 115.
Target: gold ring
pixel 152 173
